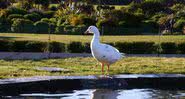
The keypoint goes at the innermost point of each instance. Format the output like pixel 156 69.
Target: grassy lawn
pixel 86 66
pixel 85 38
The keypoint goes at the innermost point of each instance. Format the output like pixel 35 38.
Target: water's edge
pixel 53 83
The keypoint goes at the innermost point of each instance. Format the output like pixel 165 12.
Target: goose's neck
pixel 96 37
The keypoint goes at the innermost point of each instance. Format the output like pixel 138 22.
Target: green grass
pixel 85 38
pixel 86 66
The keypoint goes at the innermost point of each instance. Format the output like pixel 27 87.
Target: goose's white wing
pixel 106 53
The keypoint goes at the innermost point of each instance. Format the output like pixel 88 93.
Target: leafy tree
pixel 150 7
pixel 177 7
pixel 4 4
pixel 25 4
pixel 179 24
pixel 44 3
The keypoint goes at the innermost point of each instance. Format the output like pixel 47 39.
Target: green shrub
pixel 31 46
pixel 150 23
pixel 179 24
pixel 68 29
pixel 157 16
pixel 78 47
pixel 121 23
pixel 14 10
pixel 53 8
pixel 5 45
pixel 151 7
pixel 168 48
pixel 60 29
pixel 4 4
pixel 57 47
pixel 27 4
pixel 52 28
pixel 19 46
pixel 35 46
pixel 37 11
pixel 42 2
pixel 49 14
pixel 45 20
pixel 53 20
pixel 149 26
pixel 124 47
pixel 79 30
pixel 61 21
pixel 87 48
pixel 33 17
pixel 105 22
pixel 144 47
pixel 75 47
pixel 89 21
pixel 5 25
pixel 136 47
pixel 122 31
pixel 15 16
pixel 50 21
pixel 23 26
pixel 135 19
pixel 177 7
pixel 42 27
pixel 75 20
pixel 181 48
pixel 180 14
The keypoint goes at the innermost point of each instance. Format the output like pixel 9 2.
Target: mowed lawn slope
pixel 87 38
pixel 86 66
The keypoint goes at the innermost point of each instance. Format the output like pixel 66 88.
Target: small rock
pixel 52 69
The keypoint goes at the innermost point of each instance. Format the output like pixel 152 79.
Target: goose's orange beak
pixel 86 32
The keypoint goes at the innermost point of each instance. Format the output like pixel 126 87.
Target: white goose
pixel 104 53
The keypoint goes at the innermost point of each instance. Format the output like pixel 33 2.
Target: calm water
pixel 105 94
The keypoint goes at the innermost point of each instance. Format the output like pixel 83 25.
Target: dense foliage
pixel 69 17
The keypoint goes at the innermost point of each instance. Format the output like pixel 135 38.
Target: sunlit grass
pixel 86 66
pixel 108 39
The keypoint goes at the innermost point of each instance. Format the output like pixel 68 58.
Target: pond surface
pixel 104 94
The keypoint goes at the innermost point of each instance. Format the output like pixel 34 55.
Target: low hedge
pixel 78 47
pixel 181 48
pixel 18 46
pixel 36 46
pixel 169 48
pixel 75 47
pixel 136 47
pixel 5 46
pixel 57 47
pixel 30 46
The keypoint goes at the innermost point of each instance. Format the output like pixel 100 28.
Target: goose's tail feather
pixel 123 55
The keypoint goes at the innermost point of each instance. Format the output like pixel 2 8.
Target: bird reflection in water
pixel 104 94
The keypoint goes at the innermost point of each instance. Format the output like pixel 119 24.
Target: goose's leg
pixel 108 68
pixel 102 68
